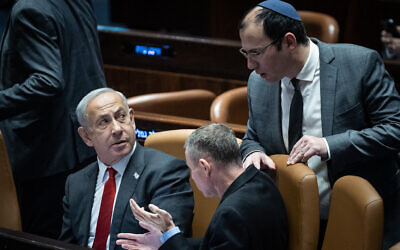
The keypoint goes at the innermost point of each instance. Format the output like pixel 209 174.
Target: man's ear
pixel 206 166
pixel 85 136
pixel 131 114
pixel 290 40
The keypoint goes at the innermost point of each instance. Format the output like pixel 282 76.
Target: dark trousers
pixel 40 202
pixel 322 229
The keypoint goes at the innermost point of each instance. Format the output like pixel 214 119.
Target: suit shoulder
pixel 244 197
pixel 346 51
pixel 30 8
pixel 92 167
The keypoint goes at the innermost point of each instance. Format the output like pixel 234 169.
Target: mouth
pixel 120 142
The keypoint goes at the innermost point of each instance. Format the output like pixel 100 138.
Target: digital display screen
pixel 143 134
pixel 152 50
pixel 149 51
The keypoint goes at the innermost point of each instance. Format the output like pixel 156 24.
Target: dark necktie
pixel 296 115
pixel 106 207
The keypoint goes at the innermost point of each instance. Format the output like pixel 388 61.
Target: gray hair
pixel 216 141
pixel 82 106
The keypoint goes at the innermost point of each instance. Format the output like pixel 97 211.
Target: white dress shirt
pixel 309 82
pixel 102 178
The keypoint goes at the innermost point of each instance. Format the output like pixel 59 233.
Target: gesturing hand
pixel 147 241
pixel 159 219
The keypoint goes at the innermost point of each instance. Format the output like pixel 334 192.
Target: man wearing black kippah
pixel 341 95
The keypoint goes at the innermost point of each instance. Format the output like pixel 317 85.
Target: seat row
pixel 355 219
pixel 229 107
pixel 356 212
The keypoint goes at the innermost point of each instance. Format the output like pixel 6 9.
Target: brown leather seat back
pixel 9 209
pixel 355 217
pixel 193 103
pixel 320 25
pixel 231 106
pixel 396 246
pixel 172 142
pixel 299 189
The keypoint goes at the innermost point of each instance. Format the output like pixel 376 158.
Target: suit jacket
pixel 163 180
pixel 251 215
pixel 359 110
pixel 49 59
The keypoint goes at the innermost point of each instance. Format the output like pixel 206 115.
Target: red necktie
pixel 104 219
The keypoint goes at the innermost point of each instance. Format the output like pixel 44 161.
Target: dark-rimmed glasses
pixel 255 52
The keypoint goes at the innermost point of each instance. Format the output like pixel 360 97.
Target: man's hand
pixel 260 160
pixel 159 219
pixel 307 147
pixel 147 241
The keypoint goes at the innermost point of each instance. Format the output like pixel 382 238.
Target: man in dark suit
pixel 49 59
pixel 251 214
pixel 147 175
pixel 349 115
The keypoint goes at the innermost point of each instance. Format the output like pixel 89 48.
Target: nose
pixel 251 64
pixel 116 127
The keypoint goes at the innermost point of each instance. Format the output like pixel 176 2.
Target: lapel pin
pixel 136 175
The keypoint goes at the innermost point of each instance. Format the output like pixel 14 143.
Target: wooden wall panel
pixel 136 81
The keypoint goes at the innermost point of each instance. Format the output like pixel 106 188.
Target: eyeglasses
pixel 255 52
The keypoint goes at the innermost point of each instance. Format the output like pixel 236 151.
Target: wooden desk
pixel 10 239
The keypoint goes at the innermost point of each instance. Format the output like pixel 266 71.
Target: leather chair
pixel 395 247
pixel 10 217
pixel 231 106
pixel 193 103
pixel 355 217
pixel 299 189
pixel 320 25
pixel 171 142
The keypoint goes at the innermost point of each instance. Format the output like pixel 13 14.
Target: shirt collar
pixel 119 166
pixel 307 73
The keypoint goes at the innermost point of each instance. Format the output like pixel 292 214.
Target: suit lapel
pixel 328 79
pixel 268 95
pixel 88 187
pixel 127 188
pixel 277 119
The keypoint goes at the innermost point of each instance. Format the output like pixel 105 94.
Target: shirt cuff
pixel 327 148
pixel 165 236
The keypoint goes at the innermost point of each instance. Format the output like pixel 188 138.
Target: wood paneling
pixel 137 81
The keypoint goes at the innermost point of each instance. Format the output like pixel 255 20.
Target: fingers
pixel 137 211
pixel 268 162
pixel 129 236
pixel 295 155
pixel 307 147
pixel 128 244
pixel 248 162
pixel 260 160
pixel 159 211
pixel 149 227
